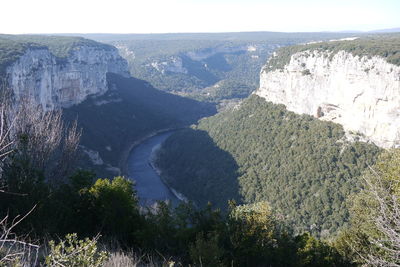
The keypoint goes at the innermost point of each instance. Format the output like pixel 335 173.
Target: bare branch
pixel 13 249
pixel 386 246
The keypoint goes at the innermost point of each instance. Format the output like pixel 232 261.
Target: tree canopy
pixel 302 166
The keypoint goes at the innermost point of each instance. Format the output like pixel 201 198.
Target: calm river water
pixel 149 186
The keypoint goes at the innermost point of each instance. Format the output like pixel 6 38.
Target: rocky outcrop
pixel 173 64
pixel 360 93
pixel 56 82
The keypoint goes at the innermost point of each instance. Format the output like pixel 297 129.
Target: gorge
pixel 281 176
pixel 91 83
pixel 303 140
pixel 148 182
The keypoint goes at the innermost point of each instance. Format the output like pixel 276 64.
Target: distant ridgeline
pixel 90 81
pixel 258 151
pixel 205 66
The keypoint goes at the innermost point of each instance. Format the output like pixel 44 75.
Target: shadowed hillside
pixel 302 166
pixel 129 111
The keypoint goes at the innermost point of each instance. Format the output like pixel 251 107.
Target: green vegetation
pixel 153 60
pixel 129 111
pixel 196 166
pixel 292 176
pixel 36 208
pixel 224 59
pixel 260 151
pixel 386 46
pixel 60 46
pixel 75 253
pixel 247 235
pixel 13 46
pixel 10 51
pixel 312 162
pixel 225 89
pixel 373 235
pixel 230 63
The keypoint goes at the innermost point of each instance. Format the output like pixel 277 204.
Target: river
pixel 149 186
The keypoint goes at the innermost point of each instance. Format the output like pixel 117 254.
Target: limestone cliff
pixel 173 64
pixel 360 92
pixel 52 81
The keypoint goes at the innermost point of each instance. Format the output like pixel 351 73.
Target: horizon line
pixel 208 32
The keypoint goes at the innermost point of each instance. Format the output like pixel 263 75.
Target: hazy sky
pixel 159 16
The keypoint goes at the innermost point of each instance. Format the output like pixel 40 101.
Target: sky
pixel 166 16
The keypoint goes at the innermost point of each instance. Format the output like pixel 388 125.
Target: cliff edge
pixel 58 71
pixel 354 83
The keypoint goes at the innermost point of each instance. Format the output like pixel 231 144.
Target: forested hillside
pixel 53 213
pixel 258 151
pixel 130 110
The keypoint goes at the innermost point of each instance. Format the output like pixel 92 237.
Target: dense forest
pixel 56 215
pixel 259 151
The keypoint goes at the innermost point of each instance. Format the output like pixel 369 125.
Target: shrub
pixel 115 199
pixel 206 250
pixel 74 252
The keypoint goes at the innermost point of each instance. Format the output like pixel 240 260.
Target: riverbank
pixel 140 167
pixel 123 163
pixel 152 162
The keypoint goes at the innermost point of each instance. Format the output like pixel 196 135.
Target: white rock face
pixel 251 48
pixel 174 64
pixel 93 155
pixel 362 94
pixel 125 52
pixel 53 82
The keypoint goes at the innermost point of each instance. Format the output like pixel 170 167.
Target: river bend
pixel 149 186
